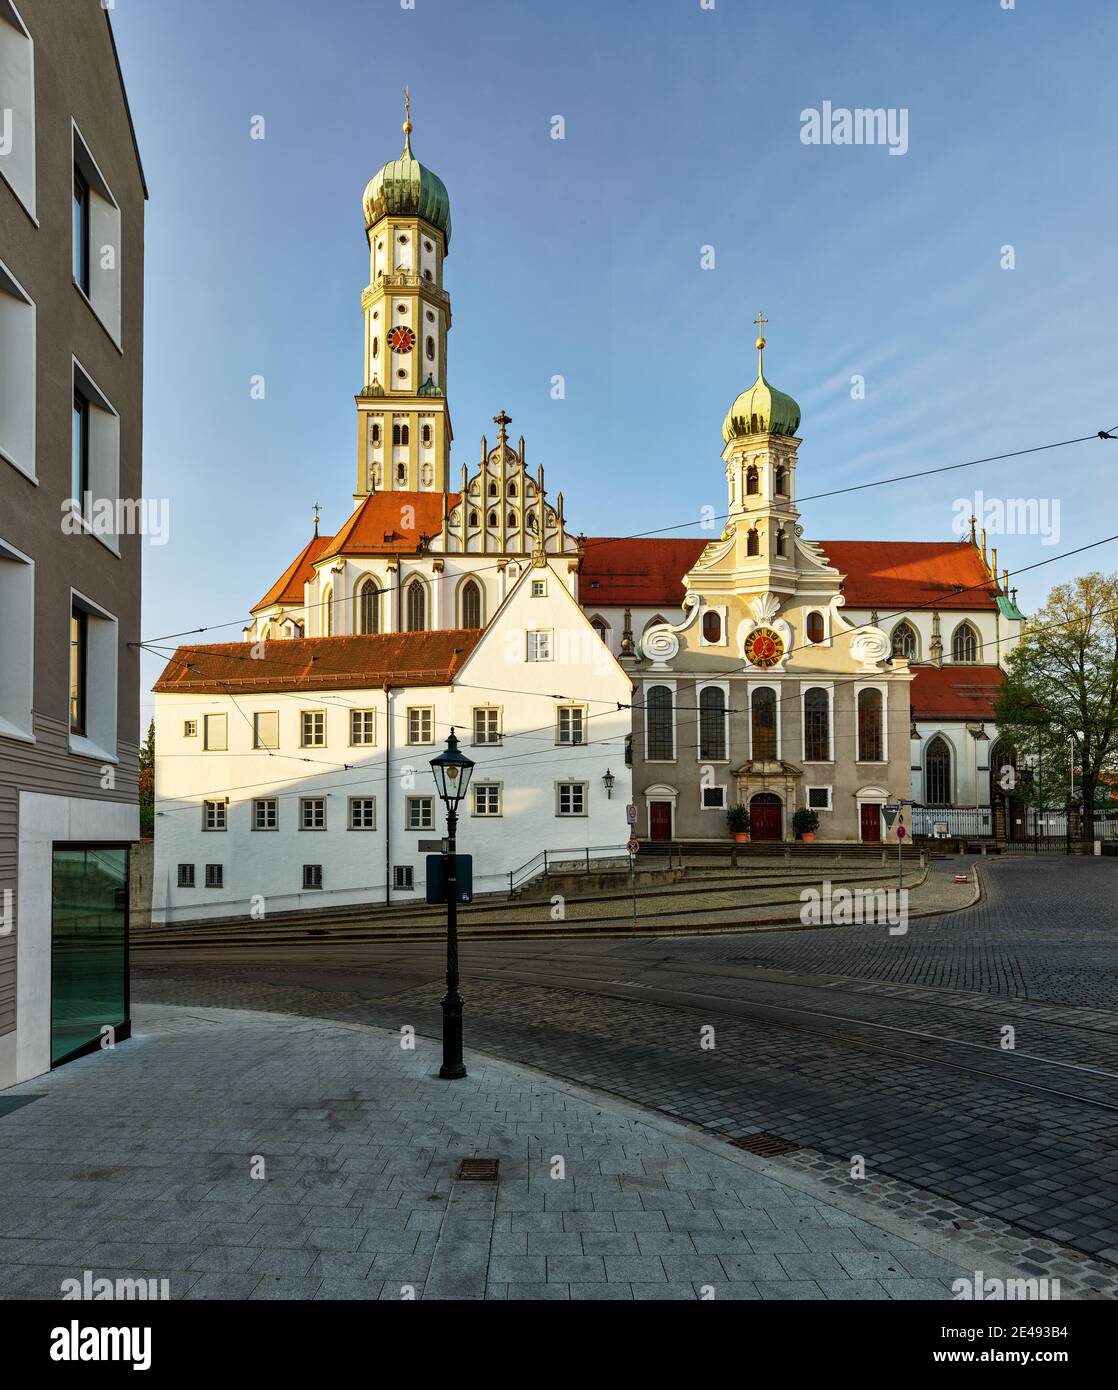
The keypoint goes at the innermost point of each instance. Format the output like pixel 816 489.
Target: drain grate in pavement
pixel 765 1145
pixel 478 1170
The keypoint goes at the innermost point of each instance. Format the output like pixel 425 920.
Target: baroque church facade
pixel 687 675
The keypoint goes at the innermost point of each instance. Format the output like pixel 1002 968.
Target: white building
pixel 295 773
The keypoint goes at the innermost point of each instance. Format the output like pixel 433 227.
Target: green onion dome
pixel 762 409
pixel 406 188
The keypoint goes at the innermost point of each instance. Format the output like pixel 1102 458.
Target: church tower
pixel 760 455
pixel 404 432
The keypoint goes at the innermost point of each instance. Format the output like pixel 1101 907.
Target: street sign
pixel 901 832
pixel 436 878
pixel 433 846
pixel 631 813
pixel 890 814
pixel 633 844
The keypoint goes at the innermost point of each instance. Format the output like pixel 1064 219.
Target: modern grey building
pixel 72 200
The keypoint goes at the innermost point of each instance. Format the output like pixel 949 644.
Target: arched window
pixel 473 519
pixel 781 480
pixel 712 626
pixel 376 433
pixel 753 542
pixel 396 434
pixel 871 733
pixel 426 434
pixel 817 726
pixel 471 604
pixel 904 640
pixel 937 772
pixel 533 524
pixel 492 488
pixel 781 542
pixel 416 607
pixel 762 724
pixel 430 348
pixel 658 713
pixel 493 519
pixel 368 607
pixel 599 626
pixel 376 346
pixel 510 521
pixel 511 490
pixel 328 612
pixel 752 481
pixel 964 645
pixel 712 723
pixel 816 629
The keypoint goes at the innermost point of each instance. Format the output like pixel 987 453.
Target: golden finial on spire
pixel 407 112
pixel 317 509
pixel 760 321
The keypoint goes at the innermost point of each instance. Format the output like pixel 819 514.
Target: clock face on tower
pixel 764 647
pixel 401 339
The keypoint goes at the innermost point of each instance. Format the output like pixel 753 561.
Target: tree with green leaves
pixel 147 783
pixel 1058 705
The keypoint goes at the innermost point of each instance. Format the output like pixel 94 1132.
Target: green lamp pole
pixel 452 772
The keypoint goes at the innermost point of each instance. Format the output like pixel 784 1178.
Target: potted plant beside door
pixel 737 818
pixel 804 825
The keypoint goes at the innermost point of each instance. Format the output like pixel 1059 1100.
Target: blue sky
pixel 582 257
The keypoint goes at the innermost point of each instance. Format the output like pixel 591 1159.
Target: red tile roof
pixel 639 572
pixel 954 692
pixel 911 574
pixel 288 588
pixel 387 523
pixel 323 663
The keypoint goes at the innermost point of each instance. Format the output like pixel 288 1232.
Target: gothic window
pixel 763 724
pixel 816 630
pixel 781 480
pixel 532 523
pixel 752 481
pixel 937 772
pixel 904 641
pixel 471 604
pixel 510 521
pixel 780 541
pixel 658 712
pixel 492 488
pixel 368 608
pixel 712 723
pixel 964 645
pixel 512 489
pixel 753 542
pixel 712 626
pixel 871 735
pixel 817 726
pixel 601 629
pixel 328 613
pixel 473 519
pixel 493 519
pixel 416 607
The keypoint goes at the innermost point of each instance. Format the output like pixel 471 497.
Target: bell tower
pixel 760 455
pixel 404 430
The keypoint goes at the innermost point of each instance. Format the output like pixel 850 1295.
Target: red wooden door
pixel 660 820
pixel 871 823
pixel 765 817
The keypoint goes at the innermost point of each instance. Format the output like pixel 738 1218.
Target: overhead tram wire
pixel 658 531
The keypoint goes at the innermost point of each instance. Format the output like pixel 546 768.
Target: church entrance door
pixel 660 820
pixel 766 817
pixel 871 824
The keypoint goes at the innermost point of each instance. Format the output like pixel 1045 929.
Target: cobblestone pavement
pixel 846 1042
pixel 322 1164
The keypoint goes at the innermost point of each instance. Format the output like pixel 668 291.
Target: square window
pixel 190 728
pixel 362 813
pixel 265 730
pixel 94 461
pixel 571 724
pixel 819 798
pixel 487 798
pixel 421 724
pixel 402 877
pixel 312 875
pixel 17 641
pixel 362 726
pixel 539 588
pixel 215 875
pixel 487 725
pixel 714 798
pixel 539 645
pixel 216 738
pixel 93 678
pixel 17 352
pixel 215 815
pixel 571 799
pixel 79 669
pixel 312 813
pixel 312 728
pixel 265 814
pixel 96 237
pixel 420 813
pixel 186 875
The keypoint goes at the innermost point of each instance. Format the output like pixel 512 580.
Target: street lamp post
pixel 452 771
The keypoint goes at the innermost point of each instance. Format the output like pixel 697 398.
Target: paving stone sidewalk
pixel 137 1163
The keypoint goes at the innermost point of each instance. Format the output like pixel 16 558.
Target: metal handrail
pixel 541 863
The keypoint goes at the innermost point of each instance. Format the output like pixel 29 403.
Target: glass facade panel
pixel 89 942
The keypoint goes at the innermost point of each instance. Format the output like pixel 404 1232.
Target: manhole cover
pixel 765 1145
pixel 478 1170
